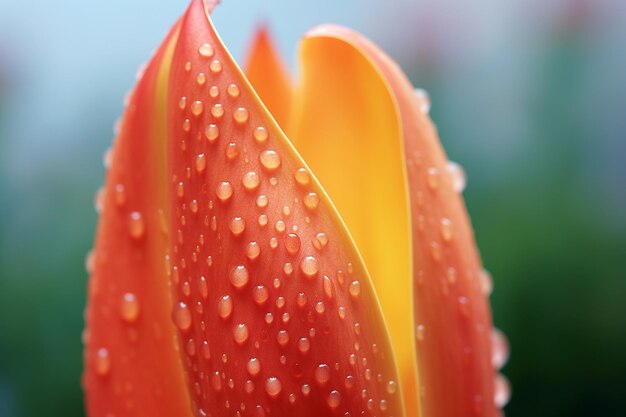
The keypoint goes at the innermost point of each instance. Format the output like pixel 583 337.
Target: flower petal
pixel 266 71
pixel 276 313
pixel 452 313
pixel 131 366
pixel 346 127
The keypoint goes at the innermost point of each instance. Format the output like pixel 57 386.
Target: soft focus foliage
pixel 529 96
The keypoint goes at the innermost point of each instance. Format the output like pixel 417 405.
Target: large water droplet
pixel 253 366
pixel 225 307
pixel 270 159
pixel 239 276
pixel 322 374
pixel 457 173
pixel 241 333
pixel 273 386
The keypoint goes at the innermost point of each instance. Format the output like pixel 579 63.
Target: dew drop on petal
pixel 322 374
pixel 206 50
pixel 129 307
pixel 182 316
pixel 309 266
pixel 457 173
pixel 239 276
pixel 270 159
pixel 253 366
pixel 136 225
pixel 241 333
pixel 273 386
pixel 225 307
pixel 102 362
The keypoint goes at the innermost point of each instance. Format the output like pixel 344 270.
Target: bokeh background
pixel 529 96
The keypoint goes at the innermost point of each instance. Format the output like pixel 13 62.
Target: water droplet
pixel 446 229
pixel 136 226
pixel 282 337
pixel 292 243
pixel 322 374
pixel 211 132
pixel 233 90
pixel 182 316
pixel 239 276
pixel 273 386
pixel 260 134
pixel 502 391
pixel 304 345
pixel 214 91
pixel 311 200
pixel 253 366
pixel 328 287
pixel 182 103
pixel 320 241
pixel 237 226
pixel 216 381
pixel 225 307
pixel 200 163
pixel 260 294
pixel 224 191
pixel 129 307
pixel 197 107
pixel 457 173
pixel 204 288
pixel 423 99
pixel 392 387
pixel 241 333
pixel 306 390
pixel 499 349
pixel 262 201
pixel 354 289
pixel 334 399
pixel 215 66
pixel 205 50
pixel 250 180
pixel 102 362
pixel 201 78
pixel 217 110
pixel 253 250
pixel 420 331
pixel 309 266
pixel 486 282
pixel 240 115
pixel 302 176
pixel 432 178
pixel 270 159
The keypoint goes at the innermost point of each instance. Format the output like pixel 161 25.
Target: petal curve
pixel 131 365
pixel 453 332
pixel 275 309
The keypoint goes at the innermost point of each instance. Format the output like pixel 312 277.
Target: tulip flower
pixel 270 249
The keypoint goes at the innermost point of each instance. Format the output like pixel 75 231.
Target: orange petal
pixel 453 331
pixel 276 312
pixel 266 71
pixel 131 366
pixel 345 125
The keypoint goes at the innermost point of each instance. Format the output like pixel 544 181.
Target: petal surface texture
pixel 452 316
pixel 131 365
pixel 347 129
pixel 266 71
pixel 276 312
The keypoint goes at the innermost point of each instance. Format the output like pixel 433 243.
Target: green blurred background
pixel 529 96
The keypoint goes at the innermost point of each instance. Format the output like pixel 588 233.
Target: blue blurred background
pixel 529 96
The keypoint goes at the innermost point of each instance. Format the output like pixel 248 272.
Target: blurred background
pixel 529 97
